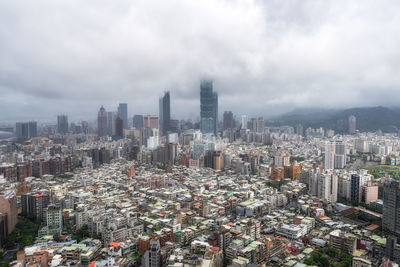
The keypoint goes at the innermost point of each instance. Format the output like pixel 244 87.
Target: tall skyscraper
pixel 138 121
pixel 111 117
pixel 62 124
pixel 165 113
pixel 123 114
pixel 391 207
pixel 151 121
pixel 26 130
pixel 228 121
pixel 244 120
pixel 119 127
pixel 208 108
pixel 352 124
pixel 102 122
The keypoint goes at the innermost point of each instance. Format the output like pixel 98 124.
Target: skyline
pixel 265 57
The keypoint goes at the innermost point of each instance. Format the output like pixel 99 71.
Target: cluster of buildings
pixel 238 194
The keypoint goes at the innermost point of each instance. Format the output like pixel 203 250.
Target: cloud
pixel 265 56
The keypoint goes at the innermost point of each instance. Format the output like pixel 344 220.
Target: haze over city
pixel 265 57
pixel 211 133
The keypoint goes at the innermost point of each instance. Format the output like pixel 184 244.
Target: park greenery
pixel 24 233
pixel 382 170
pixel 330 257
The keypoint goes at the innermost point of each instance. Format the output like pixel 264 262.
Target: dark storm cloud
pixel 265 56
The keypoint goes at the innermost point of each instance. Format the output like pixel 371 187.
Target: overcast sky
pixel 265 57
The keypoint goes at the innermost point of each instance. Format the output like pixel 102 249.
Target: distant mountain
pixel 369 119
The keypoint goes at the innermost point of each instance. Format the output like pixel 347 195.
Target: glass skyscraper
pixel 165 113
pixel 208 108
pixel 123 114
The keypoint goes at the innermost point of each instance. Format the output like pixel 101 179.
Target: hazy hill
pixel 368 118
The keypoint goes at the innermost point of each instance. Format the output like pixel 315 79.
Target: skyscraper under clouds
pixel 123 114
pixel 165 113
pixel 102 122
pixel 62 124
pixel 208 107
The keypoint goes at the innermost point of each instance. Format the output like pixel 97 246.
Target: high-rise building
pixel 329 159
pixel 152 257
pixel 53 220
pixel 102 122
pixel 151 121
pixel 8 206
pixel 62 124
pixel 138 121
pixel 119 127
pixel 352 124
pixel 391 207
pixel 228 122
pixel 340 155
pixel 34 205
pixel 26 130
pixel 259 125
pixel 328 186
pixel 208 108
pixel 357 182
pixel 123 114
pixel 165 113
pixel 111 117
pixel 244 120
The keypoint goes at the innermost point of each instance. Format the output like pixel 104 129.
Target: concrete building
pixel 391 207
pixel 8 206
pixel 151 121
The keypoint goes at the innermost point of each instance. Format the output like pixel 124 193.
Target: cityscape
pixel 252 159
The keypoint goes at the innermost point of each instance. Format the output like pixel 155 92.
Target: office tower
pixel 391 207
pixel 152 257
pixel 244 120
pixel 329 158
pixel 102 122
pixel 340 155
pixel 138 121
pixel 123 114
pixel 208 108
pixel 352 124
pixel 26 130
pixel 151 121
pixel 34 205
pixel 119 127
pixel 111 117
pixel 165 113
pixel 228 122
pixel 62 124
pixel 328 186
